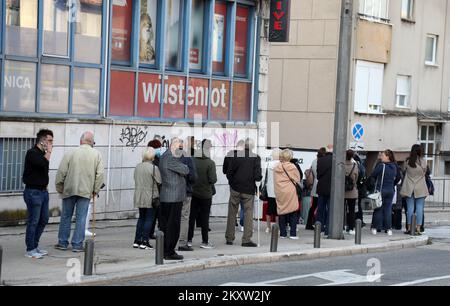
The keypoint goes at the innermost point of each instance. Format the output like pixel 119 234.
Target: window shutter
pixel 361 87
pixel 376 85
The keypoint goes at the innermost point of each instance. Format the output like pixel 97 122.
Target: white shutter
pixel 361 87
pixel 376 87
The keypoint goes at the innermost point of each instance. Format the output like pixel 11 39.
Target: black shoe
pixel 146 246
pixel 174 257
pixel 136 244
pixel 185 248
pixel 209 229
pixel 250 244
pixel 229 242
pixel 61 247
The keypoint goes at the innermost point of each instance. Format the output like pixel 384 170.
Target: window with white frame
pixel 369 87
pixel 403 91
pixel 427 140
pixel 408 9
pixel 431 50
pixel 374 9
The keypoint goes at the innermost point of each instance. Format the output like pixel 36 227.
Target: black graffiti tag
pixel 132 136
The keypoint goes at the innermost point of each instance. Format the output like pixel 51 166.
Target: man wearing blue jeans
pixel 35 195
pixel 79 177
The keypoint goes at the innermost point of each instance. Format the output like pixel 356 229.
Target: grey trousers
pixel 233 206
pixel 184 225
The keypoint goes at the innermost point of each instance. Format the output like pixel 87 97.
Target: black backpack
pixel 349 183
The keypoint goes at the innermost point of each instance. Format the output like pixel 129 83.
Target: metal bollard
pixel 88 257
pixel 1 260
pixel 159 251
pixel 317 232
pixel 413 225
pixel 274 240
pixel 358 233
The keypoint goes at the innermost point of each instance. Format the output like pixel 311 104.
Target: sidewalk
pixel 116 259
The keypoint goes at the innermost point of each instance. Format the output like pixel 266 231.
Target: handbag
pixel 376 197
pixel 263 195
pixel 298 188
pixel 155 202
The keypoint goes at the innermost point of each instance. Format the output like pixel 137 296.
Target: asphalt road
pixel 424 266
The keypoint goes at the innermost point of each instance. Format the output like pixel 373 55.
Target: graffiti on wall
pixel 227 139
pixel 133 136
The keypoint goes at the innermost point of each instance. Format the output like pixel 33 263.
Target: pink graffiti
pixel 227 139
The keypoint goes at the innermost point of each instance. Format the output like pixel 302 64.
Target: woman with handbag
pixel 146 180
pixel 287 179
pixel 269 186
pixel 414 187
pixel 387 176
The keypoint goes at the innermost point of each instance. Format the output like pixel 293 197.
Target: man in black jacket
pixel 35 178
pixel 324 167
pixel 243 172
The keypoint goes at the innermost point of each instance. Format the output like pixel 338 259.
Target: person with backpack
pixel 311 181
pixel 415 187
pixel 361 186
pixel 386 176
pixel 351 190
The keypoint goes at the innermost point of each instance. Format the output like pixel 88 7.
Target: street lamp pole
pixel 336 216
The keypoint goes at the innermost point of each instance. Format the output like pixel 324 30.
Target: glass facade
pixel 168 60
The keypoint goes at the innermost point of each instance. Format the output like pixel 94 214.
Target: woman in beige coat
pixel 146 180
pixel 414 187
pixel 352 171
pixel 285 176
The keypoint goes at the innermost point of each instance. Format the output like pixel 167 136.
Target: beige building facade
pixel 399 85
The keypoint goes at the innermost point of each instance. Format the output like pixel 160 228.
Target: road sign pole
pixel 336 216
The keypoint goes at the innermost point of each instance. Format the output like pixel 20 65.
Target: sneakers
pixel 42 252
pixel 76 250
pixel 250 244
pixel 34 254
pixel 185 248
pixel 146 246
pixel 136 244
pixel 206 246
pixel 283 237
pixel 389 233
pixel 241 228
pixel 174 257
pixel 229 242
pixel 352 232
pixel 189 243
pixel 60 247
pixel 374 231
pixel 294 238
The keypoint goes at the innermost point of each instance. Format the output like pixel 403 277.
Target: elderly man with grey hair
pixel 79 177
pixel 173 193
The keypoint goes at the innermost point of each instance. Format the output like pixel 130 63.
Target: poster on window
pixel 220 100
pixel 196 37
pixel 149 90
pixel 174 97
pixel 121 98
pixel 121 30
pixel 241 48
pixel 218 39
pixel 147 32
pixel 197 98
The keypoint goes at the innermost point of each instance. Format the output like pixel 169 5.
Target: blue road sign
pixel 358 131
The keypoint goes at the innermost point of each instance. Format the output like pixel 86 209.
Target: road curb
pixel 238 260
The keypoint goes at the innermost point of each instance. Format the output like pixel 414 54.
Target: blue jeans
pixel 382 217
pixel 292 220
pixel 37 206
pixel 417 205
pixel 144 224
pixel 81 205
pixel 322 212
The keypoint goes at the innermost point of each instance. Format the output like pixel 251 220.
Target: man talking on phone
pixel 35 178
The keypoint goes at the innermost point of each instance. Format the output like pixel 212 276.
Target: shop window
pixel 197 98
pixel 149 93
pixel 241 41
pixel 241 101
pixel 219 37
pixel 86 91
pixel 56 28
pixel 54 96
pixel 88 31
pixel 148 30
pixel 174 34
pixel 220 100
pixel 19 87
pixel 121 96
pixel 12 157
pixel 174 97
pixel 21 27
pixel 121 30
pixel 196 36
